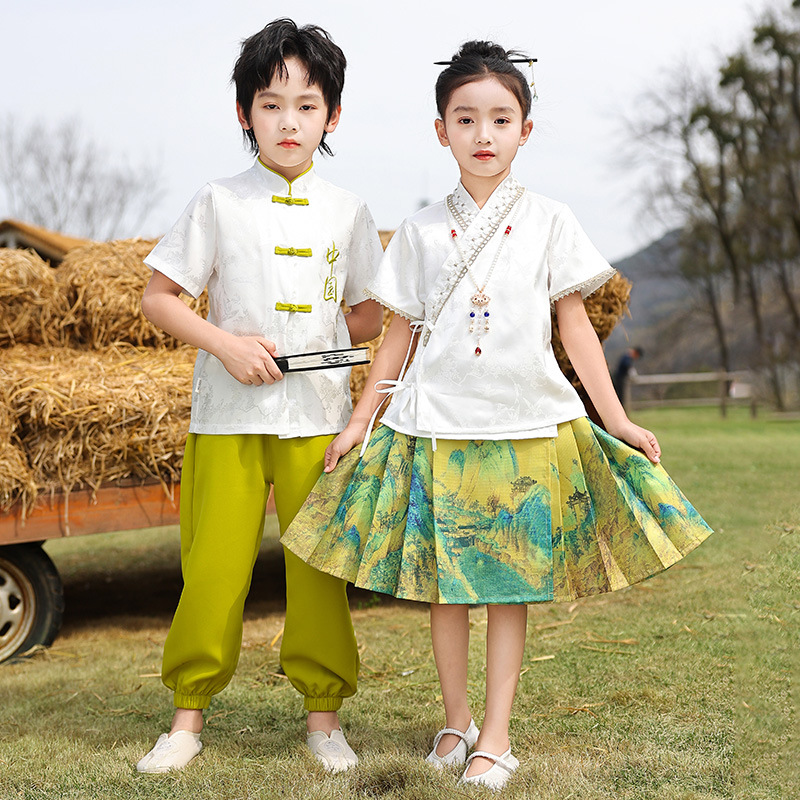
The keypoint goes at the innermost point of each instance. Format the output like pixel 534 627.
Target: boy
pixel 278 248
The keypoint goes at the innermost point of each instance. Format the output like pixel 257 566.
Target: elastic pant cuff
pixel 199 701
pixel 322 703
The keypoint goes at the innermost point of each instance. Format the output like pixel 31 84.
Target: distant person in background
pixel 625 368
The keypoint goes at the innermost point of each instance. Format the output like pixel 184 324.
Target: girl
pixel 486 483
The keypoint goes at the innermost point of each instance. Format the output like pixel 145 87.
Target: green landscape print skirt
pixel 522 521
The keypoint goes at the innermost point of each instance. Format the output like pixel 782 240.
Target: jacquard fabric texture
pixel 514 389
pixel 226 239
pixel 525 521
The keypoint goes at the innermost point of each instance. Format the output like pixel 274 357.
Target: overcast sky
pixel 150 81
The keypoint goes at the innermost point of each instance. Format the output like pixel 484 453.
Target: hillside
pixel 664 320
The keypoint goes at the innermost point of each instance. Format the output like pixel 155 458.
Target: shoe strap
pixel 438 738
pixel 499 760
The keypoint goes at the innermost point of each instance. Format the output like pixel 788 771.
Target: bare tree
pixel 58 178
pixel 728 154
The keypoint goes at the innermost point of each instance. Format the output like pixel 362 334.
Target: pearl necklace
pixel 479 301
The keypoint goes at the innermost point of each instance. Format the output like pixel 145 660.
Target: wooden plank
pixel 113 508
pixel 689 377
pixel 682 402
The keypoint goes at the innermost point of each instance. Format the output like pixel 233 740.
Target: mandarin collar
pixel 278 184
pixel 498 199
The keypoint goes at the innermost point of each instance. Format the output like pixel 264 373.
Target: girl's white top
pixel 226 239
pixel 514 389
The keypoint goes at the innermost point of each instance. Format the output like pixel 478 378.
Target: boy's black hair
pixel 263 55
pixel 476 60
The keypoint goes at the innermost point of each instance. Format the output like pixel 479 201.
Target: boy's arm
pixel 247 358
pixel 586 355
pixel 364 321
pixel 386 366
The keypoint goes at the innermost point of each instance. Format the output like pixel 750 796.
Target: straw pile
pixel 27 291
pixel 100 295
pixel 16 480
pixel 111 402
pixel 605 308
pixel 358 375
pixel 85 418
pixel 100 398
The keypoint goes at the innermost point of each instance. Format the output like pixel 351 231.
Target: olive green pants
pixel 224 490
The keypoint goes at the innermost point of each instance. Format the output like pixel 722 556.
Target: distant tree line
pixel 728 150
pixel 54 176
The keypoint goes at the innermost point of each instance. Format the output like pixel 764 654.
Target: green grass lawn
pixel 682 687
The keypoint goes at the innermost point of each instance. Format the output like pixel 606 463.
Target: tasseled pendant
pixel 479 317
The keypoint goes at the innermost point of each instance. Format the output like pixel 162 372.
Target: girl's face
pixel 483 126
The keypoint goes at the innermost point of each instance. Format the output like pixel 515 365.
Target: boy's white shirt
pixel 226 240
pixel 514 389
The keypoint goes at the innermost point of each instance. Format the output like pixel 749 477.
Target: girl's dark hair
pixel 263 55
pixel 477 60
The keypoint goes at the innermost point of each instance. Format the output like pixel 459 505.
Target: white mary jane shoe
pixel 171 752
pixel 497 775
pixel 458 755
pixel 333 751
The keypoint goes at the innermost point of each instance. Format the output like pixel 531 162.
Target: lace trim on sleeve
pixel 404 314
pixel 586 287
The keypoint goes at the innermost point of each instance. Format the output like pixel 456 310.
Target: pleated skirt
pixel 513 521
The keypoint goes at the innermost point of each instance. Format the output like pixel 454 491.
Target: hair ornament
pixel 534 93
pixel 528 61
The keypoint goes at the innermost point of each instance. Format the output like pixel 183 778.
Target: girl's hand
pixel 249 360
pixel 342 445
pixel 637 437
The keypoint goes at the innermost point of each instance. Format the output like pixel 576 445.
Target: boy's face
pixel 288 119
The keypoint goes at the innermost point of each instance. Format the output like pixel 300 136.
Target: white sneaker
pixel 333 751
pixel 171 752
pixel 497 775
pixel 458 755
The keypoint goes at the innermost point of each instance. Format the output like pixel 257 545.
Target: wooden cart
pixel 31 593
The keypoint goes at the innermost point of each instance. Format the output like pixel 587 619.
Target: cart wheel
pixel 31 599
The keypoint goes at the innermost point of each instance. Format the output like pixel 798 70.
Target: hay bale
pixel 85 418
pixel 101 293
pixel 27 289
pixel 358 375
pixel 16 479
pixel 605 308
pixel 6 420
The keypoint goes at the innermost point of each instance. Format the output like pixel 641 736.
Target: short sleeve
pixel 574 263
pixel 187 253
pixel 396 284
pixel 365 253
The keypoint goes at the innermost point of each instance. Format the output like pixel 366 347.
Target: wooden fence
pixel 732 388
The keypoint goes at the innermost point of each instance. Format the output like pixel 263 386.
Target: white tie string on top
pixel 389 386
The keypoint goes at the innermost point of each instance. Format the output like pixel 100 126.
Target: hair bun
pixel 477 60
pixel 479 49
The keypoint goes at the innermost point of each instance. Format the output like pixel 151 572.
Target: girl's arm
pixel 247 358
pixel 586 355
pixel 386 366
pixel 364 321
